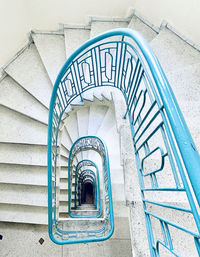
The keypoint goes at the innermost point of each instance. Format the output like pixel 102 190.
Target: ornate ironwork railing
pixel 61 233
pixel 167 160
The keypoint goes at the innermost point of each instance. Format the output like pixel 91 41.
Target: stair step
pixel 137 24
pixel 23 195
pixel 172 52
pixel 17 128
pixel 98 26
pixel 75 37
pixel 72 126
pixel 185 82
pixel 28 71
pixel 23 174
pixel 51 48
pixel 16 98
pixel 66 139
pixel 83 121
pixel 23 154
pixel 96 116
pixel 23 214
pixel 64 152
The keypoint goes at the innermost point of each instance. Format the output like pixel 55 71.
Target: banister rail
pixel 166 156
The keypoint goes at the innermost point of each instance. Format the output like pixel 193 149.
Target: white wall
pixel 18 17
pixel 183 15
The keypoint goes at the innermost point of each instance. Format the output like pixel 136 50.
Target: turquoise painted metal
pixel 61 233
pixel 167 160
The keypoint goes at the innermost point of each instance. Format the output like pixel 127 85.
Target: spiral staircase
pixel 26 87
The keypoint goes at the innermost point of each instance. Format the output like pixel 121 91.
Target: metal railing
pixel 167 160
pixel 103 228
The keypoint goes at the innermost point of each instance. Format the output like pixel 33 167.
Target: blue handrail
pixel 105 225
pixel 129 65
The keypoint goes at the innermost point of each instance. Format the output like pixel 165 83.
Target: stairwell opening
pixel 87 193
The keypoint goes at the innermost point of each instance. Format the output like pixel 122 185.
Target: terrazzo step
pixel 96 116
pixel 17 98
pixel 85 206
pixel 23 129
pixel 146 31
pixel 64 151
pixel 23 195
pixel 83 121
pixel 23 154
pixel 85 212
pixel 51 48
pixel 23 214
pixel 100 25
pixel 66 140
pixel 71 126
pixel 172 52
pixel 74 37
pixel 28 71
pixel 23 174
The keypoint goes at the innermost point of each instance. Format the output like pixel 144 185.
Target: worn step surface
pixel 28 70
pixel 172 52
pixel 51 48
pixel 75 37
pixel 138 25
pixel 17 98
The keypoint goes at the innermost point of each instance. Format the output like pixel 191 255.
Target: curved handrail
pixel 105 227
pixel 134 68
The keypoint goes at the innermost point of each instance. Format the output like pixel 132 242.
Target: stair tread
pixel 136 24
pixel 172 52
pixel 16 98
pixel 51 48
pixel 28 70
pixel 98 27
pixel 75 37
pixel 23 129
pixel 23 154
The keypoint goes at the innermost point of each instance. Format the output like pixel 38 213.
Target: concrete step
pixel 185 82
pixel 85 212
pixel 23 195
pixel 96 116
pixel 64 151
pixel 23 174
pixel 85 206
pixel 71 125
pixel 83 121
pixel 146 31
pixel 18 128
pixel 66 139
pixel 28 71
pixel 23 154
pixel 172 52
pixel 51 48
pixel 63 207
pixel 75 37
pixel 24 214
pixel 100 25
pixel 16 98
